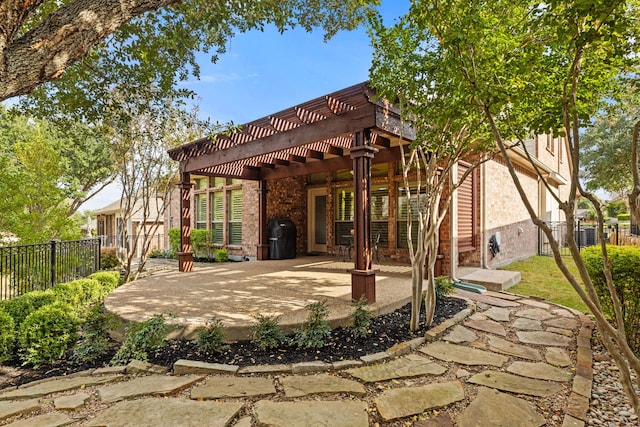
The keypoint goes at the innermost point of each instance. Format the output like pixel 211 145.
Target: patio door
pixel 317 219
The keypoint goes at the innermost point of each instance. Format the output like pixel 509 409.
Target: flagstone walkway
pixel 513 361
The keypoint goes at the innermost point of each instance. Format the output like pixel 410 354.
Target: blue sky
pixel 265 72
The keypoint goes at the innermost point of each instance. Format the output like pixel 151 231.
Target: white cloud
pixel 220 78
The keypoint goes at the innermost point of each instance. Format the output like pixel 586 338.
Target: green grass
pixel 541 277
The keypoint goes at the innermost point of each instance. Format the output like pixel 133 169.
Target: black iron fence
pixel 25 268
pixel 585 235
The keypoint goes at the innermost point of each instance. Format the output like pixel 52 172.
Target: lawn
pixel 542 277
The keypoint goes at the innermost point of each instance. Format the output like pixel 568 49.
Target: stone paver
pixel 71 402
pixel 543 338
pixel 563 322
pixel 167 412
pixel 498 314
pixel 11 409
pixel 507 347
pixel 535 314
pixel 527 324
pixel 540 371
pixel 310 413
pixel 441 420
pixel 489 408
pixel 52 419
pixel 183 367
pixel 557 356
pixel 487 326
pixel 56 385
pixel 299 385
pixel 406 401
pixel 463 354
pixel 497 302
pixel 223 387
pixel 535 303
pixel 151 385
pixel 404 367
pixel 460 334
pixel 565 332
pixel 562 313
pixel 515 383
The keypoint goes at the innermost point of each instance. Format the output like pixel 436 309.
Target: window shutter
pixel 201 211
pixel 466 210
pixel 217 216
pixel 235 217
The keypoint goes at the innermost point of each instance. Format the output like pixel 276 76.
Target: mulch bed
pixel 385 331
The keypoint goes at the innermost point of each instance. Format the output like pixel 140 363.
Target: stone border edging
pixel 184 366
pixel 578 404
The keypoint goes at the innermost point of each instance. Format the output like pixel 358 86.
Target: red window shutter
pixel 466 210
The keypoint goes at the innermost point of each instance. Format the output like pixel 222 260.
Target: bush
pixel 267 333
pixel 94 335
pixel 222 255
pixel 71 293
pixel 315 330
pixel 360 319
pixel 7 336
pixel 108 259
pixel 108 279
pixel 211 337
pixel 174 241
pixel 616 208
pixel 142 338
pixel 444 287
pixel 21 307
pixel 624 217
pixel 625 264
pixel 47 333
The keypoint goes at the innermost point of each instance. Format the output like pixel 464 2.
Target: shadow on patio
pixel 235 292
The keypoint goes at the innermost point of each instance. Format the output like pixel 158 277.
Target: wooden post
pixel 185 256
pixel 263 241
pixel 363 277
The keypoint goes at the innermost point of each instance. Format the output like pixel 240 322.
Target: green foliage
pixel 211 337
pixel 71 293
pixel 615 208
pixel 108 259
pixel 109 279
pixel 444 287
pixel 94 341
pixel 174 241
pixel 267 333
pixel 315 330
pixel 625 264
pixel 222 255
pixel 624 217
pixel 199 242
pixel 142 338
pixel 7 336
pixel 360 318
pixel 46 334
pixel 21 307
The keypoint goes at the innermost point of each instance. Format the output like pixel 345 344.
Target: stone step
pixel 493 280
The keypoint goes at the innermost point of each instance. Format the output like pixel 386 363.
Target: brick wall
pixel 287 199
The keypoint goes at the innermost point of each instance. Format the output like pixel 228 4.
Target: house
pixel 111 226
pixel 331 166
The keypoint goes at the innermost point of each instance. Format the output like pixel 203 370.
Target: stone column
pixel 363 277
pixel 185 256
pixel 263 240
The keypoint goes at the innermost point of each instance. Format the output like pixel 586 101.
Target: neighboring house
pixel 310 164
pixel 111 228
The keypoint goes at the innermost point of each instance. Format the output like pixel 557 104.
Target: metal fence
pixel 158 243
pixel 25 268
pixel 585 235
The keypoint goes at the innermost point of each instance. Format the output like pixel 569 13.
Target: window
pixel 466 211
pixel 417 202
pixel 380 214
pixel 550 143
pixel 216 182
pixel 217 217
pixel 344 215
pixel 200 183
pixel 201 210
pixel 235 216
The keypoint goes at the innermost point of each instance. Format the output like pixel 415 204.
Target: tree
pixel 533 67
pixel 107 41
pixel 409 68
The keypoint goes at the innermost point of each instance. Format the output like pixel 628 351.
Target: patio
pixel 235 292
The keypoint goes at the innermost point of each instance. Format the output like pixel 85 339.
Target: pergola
pixel 348 129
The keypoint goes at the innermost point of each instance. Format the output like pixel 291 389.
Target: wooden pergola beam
pixel 297 159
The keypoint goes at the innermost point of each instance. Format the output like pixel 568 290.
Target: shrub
pixel 174 241
pixel 94 335
pixel 315 330
pixel 222 255
pixel 71 293
pixel 109 259
pixel 625 264
pixel 267 333
pixel 108 279
pixel 142 338
pixel 211 337
pixel 624 217
pixel 360 318
pixel 444 287
pixel 47 333
pixel 21 307
pixel 199 242
pixel 7 336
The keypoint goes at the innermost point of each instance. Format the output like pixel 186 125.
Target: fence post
pixel 53 263
pixel 99 255
pixel 617 234
pixel 579 237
